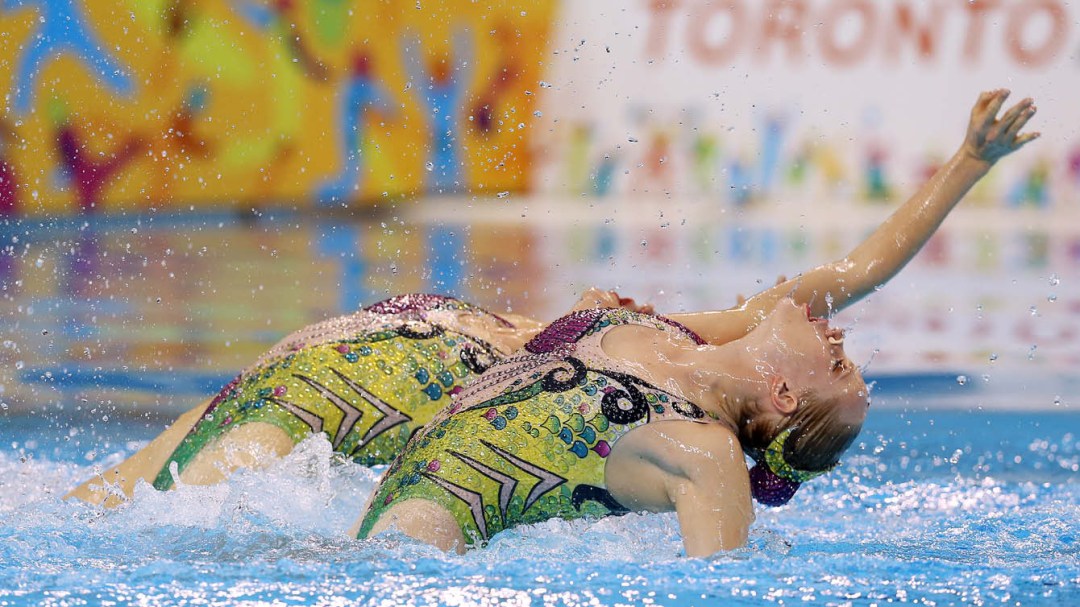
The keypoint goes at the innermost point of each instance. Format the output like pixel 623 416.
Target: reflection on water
pixel 140 310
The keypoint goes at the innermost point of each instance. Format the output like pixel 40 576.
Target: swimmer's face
pixel 809 356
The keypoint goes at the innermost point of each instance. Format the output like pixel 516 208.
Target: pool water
pixel 964 488
pixel 929 508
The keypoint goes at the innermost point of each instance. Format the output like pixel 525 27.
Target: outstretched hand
pixel 990 138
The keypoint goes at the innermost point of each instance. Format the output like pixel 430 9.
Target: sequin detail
pixel 367 381
pixel 528 440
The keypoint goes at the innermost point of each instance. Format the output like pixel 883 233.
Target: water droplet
pixel 538 113
pixel 503 195
pixel 961 379
pixel 19 364
pixel 1057 401
pixel 993 356
pixel 430 166
pixel 1051 298
pixel 1054 280
pixel 1031 352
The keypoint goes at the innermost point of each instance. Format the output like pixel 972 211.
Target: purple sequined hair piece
pixel 768 488
pixel 566 330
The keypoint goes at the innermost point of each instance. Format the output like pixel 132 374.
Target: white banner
pixel 742 100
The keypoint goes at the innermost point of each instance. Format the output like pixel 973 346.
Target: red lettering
pixel 658 33
pixel 711 52
pixel 973 41
pixel 783 25
pixel 1020 16
pixel 832 48
pixel 925 32
pixel 1033 33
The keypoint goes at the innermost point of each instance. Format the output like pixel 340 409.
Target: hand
pixel 597 298
pixel 989 138
pixel 628 303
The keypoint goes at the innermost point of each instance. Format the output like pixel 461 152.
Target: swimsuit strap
pixel 565 331
pixel 681 327
pixel 571 328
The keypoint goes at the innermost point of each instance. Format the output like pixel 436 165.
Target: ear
pixel 783 399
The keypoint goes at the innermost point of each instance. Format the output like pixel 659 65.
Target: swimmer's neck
pixel 726 381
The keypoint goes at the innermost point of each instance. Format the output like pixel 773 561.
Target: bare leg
pixel 246 446
pixel 252 445
pixel 421 520
pixel 145 464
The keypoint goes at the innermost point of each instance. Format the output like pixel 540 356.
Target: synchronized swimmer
pixel 491 421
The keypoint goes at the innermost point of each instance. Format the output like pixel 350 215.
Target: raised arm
pixel 836 285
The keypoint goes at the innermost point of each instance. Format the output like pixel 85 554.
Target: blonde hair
pixel 818 437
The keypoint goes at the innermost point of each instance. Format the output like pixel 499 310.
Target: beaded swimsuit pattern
pixel 528 440
pixel 366 381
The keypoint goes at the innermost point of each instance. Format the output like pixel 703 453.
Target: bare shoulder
pixel 682 446
pixel 650 460
pixel 648 349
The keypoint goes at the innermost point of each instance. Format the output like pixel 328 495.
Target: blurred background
pixel 183 182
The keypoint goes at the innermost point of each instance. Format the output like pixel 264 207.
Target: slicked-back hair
pixel 818 440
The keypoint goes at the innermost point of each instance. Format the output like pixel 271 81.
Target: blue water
pixel 929 508
pixel 108 324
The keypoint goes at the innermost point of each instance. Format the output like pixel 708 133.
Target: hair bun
pixel 768 488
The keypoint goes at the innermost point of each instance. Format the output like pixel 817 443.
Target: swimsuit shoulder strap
pixel 576 326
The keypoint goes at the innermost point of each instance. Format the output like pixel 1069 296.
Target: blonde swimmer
pixel 608 411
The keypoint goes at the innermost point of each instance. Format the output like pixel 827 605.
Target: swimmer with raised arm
pixel 609 411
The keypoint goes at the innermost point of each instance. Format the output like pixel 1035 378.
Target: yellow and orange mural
pixel 161 104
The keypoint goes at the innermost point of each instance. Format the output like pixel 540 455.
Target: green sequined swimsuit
pixel 527 441
pixel 366 380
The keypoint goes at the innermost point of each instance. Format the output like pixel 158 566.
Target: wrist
pixel 968 162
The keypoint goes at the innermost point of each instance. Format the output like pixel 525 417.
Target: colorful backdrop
pixel 140 104
pixel 126 104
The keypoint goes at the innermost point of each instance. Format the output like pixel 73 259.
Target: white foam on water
pixel 867 532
